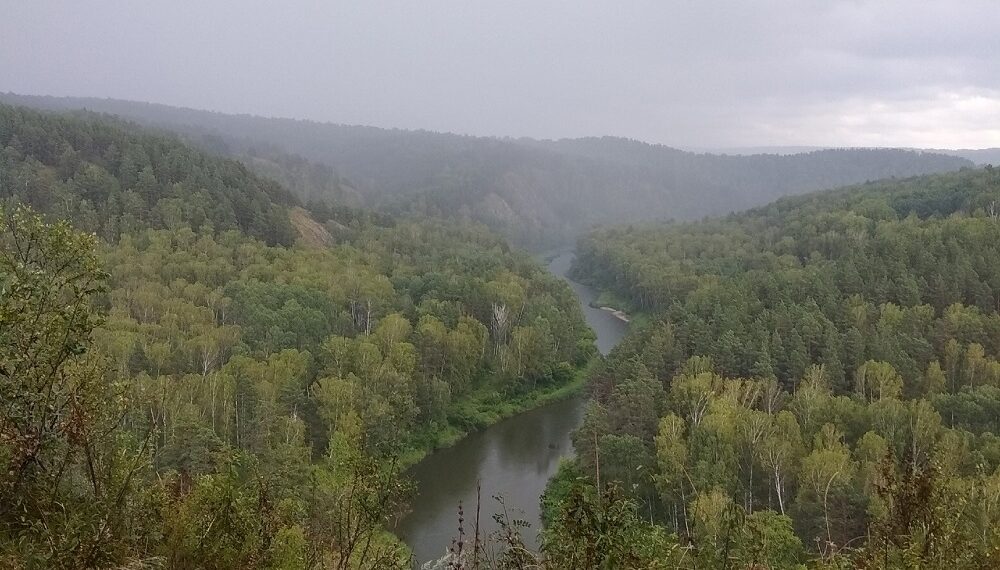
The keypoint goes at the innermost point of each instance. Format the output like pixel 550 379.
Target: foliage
pixel 827 369
pixel 68 472
pixel 537 193
pixel 604 530
pixel 193 390
pixel 112 178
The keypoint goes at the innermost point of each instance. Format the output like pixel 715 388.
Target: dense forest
pixel 205 367
pixel 538 194
pixel 200 373
pixel 817 381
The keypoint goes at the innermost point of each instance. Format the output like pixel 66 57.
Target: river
pixel 514 458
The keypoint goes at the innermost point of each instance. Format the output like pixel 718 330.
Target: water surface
pixel 514 458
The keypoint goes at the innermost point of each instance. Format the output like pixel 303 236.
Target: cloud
pixel 944 119
pixel 719 73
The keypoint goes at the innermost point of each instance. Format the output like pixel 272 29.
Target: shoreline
pixel 450 434
pixel 618 314
pixel 481 412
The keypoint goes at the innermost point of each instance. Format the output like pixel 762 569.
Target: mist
pixel 387 285
pixel 693 75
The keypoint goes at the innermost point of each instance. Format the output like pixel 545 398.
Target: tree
pixel 691 394
pixel 753 424
pixel 925 525
pixel 349 504
pixel 671 478
pixel 637 403
pixel 69 473
pixel 780 451
pixel 628 463
pixel 605 531
pixel 825 475
pixel 715 519
pixel 392 329
pixel 877 381
pixel 934 381
pixel 767 539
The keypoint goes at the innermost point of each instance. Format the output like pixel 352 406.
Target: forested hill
pixel 536 192
pixel 823 371
pixel 111 177
pixel 186 384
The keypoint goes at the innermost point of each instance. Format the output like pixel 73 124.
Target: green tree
pixel 604 531
pixel 68 485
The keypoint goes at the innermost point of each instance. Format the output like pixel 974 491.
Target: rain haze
pixel 388 285
pixel 689 74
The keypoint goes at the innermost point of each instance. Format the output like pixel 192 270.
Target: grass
pixel 610 299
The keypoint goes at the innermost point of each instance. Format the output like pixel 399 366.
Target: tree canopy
pixel 820 373
pixel 200 374
pixel 538 193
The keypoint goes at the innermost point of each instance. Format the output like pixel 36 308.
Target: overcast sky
pixel 692 73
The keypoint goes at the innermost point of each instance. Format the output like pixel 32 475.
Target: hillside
pixel 537 193
pixel 980 156
pixel 823 371
pixel 110 178
pixel 198 372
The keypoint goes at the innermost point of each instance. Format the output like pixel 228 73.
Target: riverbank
pixel 620 308
pixel 513 454
pixel 618 314
pixel 486 407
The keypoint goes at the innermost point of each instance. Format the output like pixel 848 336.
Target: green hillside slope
pixel 198 386
pixel 819 381
pixel 537 193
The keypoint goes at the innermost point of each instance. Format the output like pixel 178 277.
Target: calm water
pixel 514 458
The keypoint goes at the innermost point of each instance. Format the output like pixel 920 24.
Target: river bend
pixel 514 458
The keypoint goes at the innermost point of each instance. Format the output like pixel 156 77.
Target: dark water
pixel 608 328
pixel 514 458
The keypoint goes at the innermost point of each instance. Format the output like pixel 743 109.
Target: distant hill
pixel 112 177
pixel 538 193
pixel 750 150
pixel 980 156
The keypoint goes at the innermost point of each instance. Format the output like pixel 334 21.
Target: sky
pixel 687 73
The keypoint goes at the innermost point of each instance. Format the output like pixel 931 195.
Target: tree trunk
pixel 777 489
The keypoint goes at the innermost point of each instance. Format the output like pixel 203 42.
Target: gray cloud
pixel 686 73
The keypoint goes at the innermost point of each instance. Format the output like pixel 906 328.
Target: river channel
pixel 514 458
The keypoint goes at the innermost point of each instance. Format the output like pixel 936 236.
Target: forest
pixel 539 194
pixel 817 381
pixel 384 285
pixel 204 366
pixel 198 372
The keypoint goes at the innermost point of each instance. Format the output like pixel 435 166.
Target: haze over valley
pixel 499 286
pixel 538 193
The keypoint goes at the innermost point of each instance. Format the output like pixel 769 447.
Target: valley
pixel 500 330
pixel 539 194
pixel 513 459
